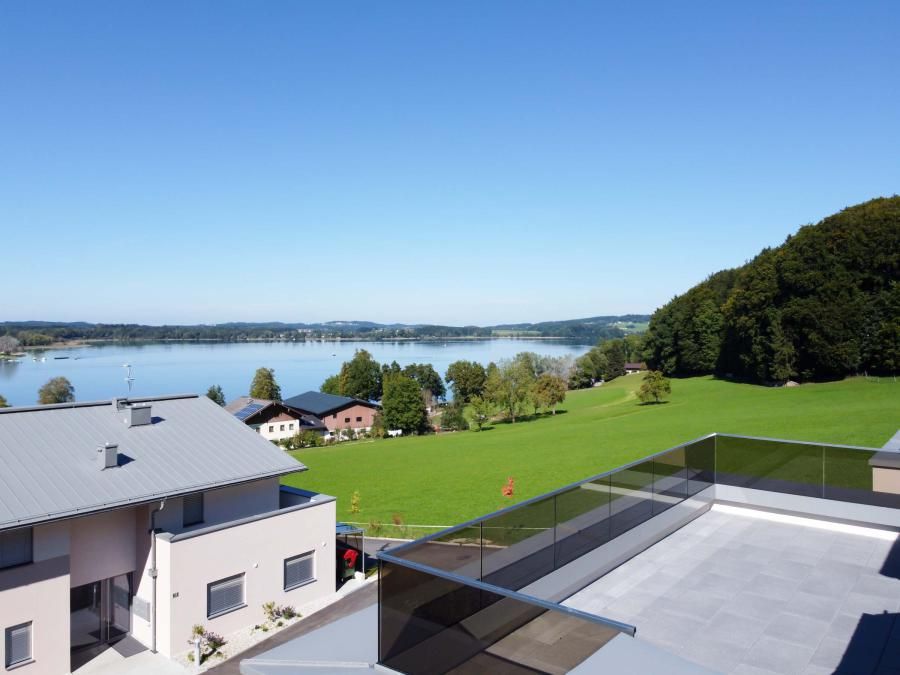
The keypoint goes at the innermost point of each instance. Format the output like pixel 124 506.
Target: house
pixel 273 420
pixel 634 368
pixel 725 554
pixel 337 412
pixel 143 518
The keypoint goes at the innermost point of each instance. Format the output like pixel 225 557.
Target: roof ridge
pixel 94 404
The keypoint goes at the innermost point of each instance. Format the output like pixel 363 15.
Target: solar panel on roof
pixel 248 410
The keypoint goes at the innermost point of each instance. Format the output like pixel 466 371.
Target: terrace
pixel 725 554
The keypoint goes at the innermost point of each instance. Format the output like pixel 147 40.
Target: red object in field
pixel 510 487
pixel 350 557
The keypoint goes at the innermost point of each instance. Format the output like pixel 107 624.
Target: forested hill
pixel 824 304
pixel 588 331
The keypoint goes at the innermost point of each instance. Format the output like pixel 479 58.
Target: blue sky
pixel 455 162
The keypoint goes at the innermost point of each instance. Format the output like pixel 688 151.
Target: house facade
pixel 121 518
pixel 273 420
pixel 338 413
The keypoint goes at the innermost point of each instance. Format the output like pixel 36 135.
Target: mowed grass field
pixel 447 478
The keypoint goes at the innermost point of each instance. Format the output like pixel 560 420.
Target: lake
pixel 97 371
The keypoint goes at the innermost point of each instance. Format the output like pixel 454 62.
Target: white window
pixel 290 427
pixel 18 645
pixel 281 428
pixel 15 547
pixel 192 510
pixel 299 570
pixel 271 428
pixel 224 596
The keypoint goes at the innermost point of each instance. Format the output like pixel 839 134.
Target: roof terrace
pixel 725 554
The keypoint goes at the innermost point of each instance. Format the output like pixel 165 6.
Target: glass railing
pixel 433 622
pixel 466 593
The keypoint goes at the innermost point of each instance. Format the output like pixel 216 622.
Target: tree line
pixel 823 305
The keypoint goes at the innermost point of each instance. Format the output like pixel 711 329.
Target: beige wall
pixel 102 546
pixel 886 480
pixel 291 427
pixel 338 419
pixel 38 593
pixel 257 550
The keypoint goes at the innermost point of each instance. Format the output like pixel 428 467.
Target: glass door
pixel 86 620
pixel 118 606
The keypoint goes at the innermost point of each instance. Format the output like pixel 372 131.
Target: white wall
pixel 256 549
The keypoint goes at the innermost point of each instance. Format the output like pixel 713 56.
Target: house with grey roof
pixel 274 420
pixel 143 518
pixel 340 414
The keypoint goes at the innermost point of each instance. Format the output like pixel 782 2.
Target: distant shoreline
pixel 465 338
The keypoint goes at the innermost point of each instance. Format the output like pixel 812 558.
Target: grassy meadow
pixel 443 479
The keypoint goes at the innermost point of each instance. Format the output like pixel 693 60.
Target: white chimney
pixel 138 414
pixel 108 456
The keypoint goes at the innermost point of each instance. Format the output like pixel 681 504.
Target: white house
pixel 143 518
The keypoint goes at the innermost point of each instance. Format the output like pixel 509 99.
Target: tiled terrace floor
pixel 742 592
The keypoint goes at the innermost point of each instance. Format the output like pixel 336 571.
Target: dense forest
pixel 824 304
pixel 37 333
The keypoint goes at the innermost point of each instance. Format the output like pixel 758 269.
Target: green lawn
pixel 448 478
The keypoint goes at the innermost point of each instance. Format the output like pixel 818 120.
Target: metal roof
pixel 319 404
pixel 49 468
pixel 246 408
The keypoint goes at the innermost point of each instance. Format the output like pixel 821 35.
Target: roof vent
pixel 108 456
pixel 138 415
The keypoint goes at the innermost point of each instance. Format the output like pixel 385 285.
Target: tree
pixel 614 350
pixel 453 417
pixel 8 344
pixel 402 405
pixel 654 387
pixel 264 385
pixel 332 385
pixel 482 410
pixel 216 395
pixel 56 390
pixel 548 391
pixel 361 377
pixel 3 403
pixel 466 379
pixel 508 386
pixel 427 377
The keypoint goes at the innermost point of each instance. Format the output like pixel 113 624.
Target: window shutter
pixel 299 570
pixel 15 547
pixel 225 595
pixel 192 509
pixel 18 644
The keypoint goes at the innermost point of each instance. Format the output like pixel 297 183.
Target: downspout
pixel 153 574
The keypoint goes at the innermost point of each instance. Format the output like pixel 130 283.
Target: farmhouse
pixel 138 519
pixel 337 412
pixel 273 420
pixel 634 368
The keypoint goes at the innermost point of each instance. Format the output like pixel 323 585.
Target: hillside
pixel 450 477
pixel 823 305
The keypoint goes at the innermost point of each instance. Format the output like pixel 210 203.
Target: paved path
pixel 354 602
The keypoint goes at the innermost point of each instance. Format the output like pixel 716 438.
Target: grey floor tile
pixel 779 656
pixel 757 606
pixel 820 607
pixel 733 629
pixel 829 653
pixel 771 587
pixel 799 629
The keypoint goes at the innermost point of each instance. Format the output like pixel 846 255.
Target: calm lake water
pixel 173 368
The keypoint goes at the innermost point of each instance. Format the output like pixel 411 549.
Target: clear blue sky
pixel 445 162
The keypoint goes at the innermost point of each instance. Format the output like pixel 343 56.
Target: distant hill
pixel 824 304
pixel 590 330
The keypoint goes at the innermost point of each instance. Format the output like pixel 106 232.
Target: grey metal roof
pixel 49 467
pixel 319 404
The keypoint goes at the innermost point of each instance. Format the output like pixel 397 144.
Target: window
pixel 281 428
pixel 224 596
pixel 359 419
pixel 192 510
pixel 18 644
pixel 299 570
pixel 346 419
pixel 290 427
pixel 334 417
pixel 271 428
pixel 15 547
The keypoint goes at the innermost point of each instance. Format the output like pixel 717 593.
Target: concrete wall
pixel 102 546
pixel 257 550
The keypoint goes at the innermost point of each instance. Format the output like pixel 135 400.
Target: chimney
pixel 138 415
pixel 108 456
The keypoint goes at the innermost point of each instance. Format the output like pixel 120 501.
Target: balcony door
pixel 100 612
